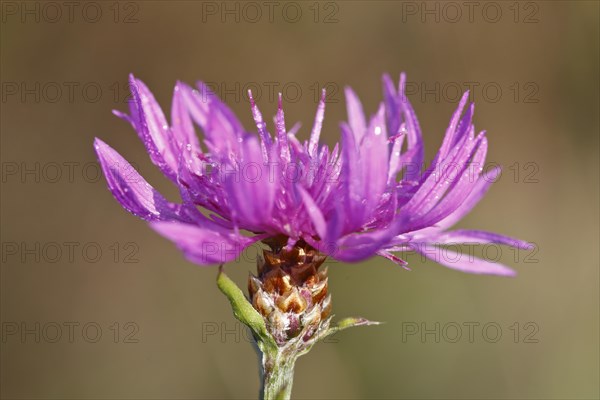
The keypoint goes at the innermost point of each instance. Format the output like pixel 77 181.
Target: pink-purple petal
pixel 204 246
pixel 130 189
pixel 463 262
pixel 367 197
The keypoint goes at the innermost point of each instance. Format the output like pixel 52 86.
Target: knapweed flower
pixel 367 196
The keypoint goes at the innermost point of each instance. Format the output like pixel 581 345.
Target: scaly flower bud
pixel 290 291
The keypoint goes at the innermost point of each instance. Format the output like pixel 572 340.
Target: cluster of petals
pixel 368 195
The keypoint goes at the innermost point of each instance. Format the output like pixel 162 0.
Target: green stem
pixel 277 375
pixel 277 369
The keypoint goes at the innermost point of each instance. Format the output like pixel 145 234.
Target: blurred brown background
pixel 123 315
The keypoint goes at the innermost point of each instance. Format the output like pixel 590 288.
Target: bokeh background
pixel 123 315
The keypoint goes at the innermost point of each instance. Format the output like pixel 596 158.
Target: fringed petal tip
pixel 132 79
pixel 395 259
pixel 121 115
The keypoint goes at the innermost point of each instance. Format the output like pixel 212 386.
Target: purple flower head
pixel 366 196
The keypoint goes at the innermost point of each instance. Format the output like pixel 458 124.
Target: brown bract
pixel 290 291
